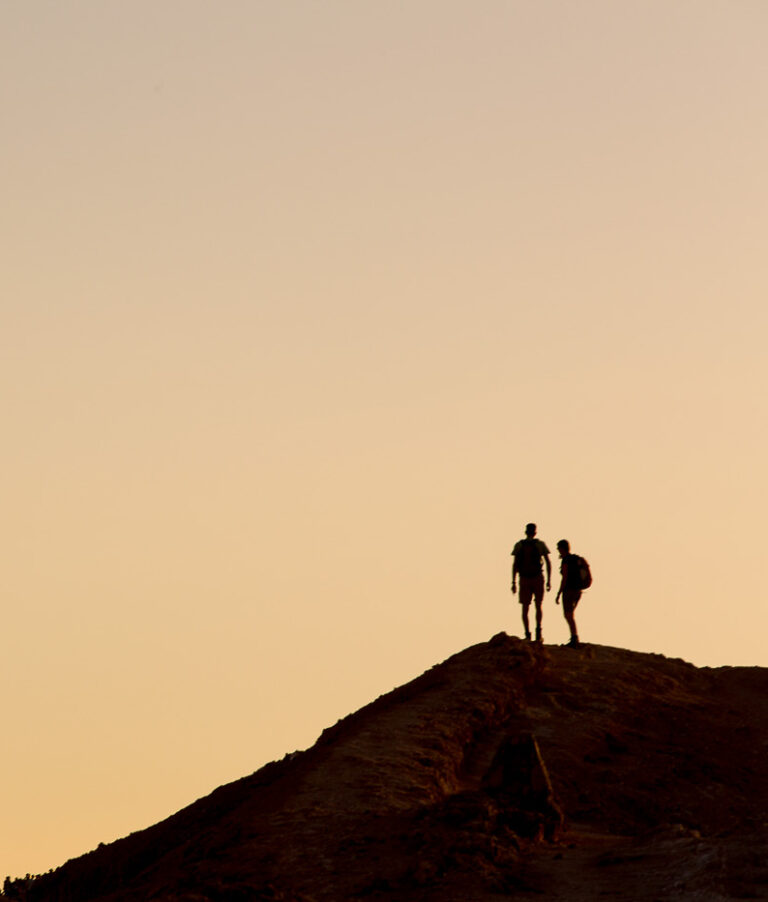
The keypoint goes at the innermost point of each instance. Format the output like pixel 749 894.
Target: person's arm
pixel 549 571
pixel 564 571
pixel 514 570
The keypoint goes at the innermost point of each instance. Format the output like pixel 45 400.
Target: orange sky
pixel 307 308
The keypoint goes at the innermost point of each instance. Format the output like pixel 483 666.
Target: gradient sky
pixel 307 308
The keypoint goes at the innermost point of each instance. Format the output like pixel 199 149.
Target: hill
pixel 510 770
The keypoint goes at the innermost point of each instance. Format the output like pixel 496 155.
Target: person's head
pixel 530 530
pixel 564 547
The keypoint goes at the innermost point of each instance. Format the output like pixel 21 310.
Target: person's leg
pixel 526 624
pixel 538 596
pixel 570 600
pixel 526 594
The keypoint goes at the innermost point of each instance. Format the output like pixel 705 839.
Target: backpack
pixel 528 558
pixel 582 568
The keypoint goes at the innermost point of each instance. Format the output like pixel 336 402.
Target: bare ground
pixel 509 771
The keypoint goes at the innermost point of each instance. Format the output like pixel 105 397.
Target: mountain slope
pixel 509 769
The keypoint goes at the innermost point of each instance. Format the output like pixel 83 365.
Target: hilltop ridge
pixel 509 769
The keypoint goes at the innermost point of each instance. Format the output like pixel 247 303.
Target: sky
pixel 306 309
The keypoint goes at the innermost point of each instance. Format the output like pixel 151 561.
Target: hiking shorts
pixel 531 587
pixel 570 600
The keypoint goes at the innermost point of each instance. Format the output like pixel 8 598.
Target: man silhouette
pixel 570 588
pixel 528 554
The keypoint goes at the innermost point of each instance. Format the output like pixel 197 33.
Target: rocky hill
pixel 510 770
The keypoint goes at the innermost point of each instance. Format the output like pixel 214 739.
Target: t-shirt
pixel 521 558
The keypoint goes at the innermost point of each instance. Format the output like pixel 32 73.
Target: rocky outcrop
pixel 509 768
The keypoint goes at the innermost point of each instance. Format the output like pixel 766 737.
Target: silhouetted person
pixel 528 554
pixel 570 587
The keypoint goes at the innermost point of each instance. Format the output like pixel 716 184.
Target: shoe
pixel 528 635
pixel 574 643
pixel 539 638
